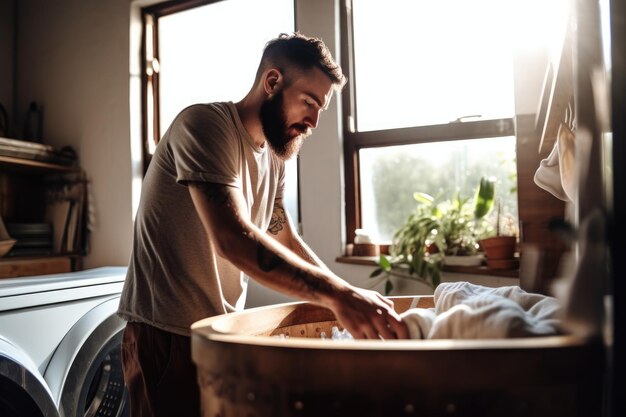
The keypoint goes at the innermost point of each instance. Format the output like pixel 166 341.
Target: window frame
pixel 354 141
pixel 150 100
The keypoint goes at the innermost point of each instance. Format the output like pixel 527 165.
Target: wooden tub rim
pixel 217 329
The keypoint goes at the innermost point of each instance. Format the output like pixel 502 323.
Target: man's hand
pixel 368 315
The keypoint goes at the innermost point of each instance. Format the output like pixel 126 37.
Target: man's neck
pixel 249 115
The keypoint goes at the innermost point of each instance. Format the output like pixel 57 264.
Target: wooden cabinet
pixel 28 266
pixel 38 193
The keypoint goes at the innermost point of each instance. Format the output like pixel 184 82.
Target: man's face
pixel 285 140
pixel 289 115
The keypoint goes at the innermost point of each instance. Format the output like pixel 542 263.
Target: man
pixel 212 209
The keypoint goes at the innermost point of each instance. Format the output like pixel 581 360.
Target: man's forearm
pixel 305 281
pixel 275 266
pixel 255 252
pixel 278 223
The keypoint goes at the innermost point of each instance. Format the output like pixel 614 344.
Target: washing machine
pixel 60 345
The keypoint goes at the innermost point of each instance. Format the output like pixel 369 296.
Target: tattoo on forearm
pixel 306 282
pixel 310 284
pixel 267 260
pixel 279 218
pixel 215 193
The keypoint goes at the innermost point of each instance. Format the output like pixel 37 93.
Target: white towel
pixel 567 167
pixel 548 175
pixel 468 311
pixel 556 172
pixel 419 321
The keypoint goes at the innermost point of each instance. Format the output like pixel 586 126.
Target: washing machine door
pixel 85 374
pixel 23 392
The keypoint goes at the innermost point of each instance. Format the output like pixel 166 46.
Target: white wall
pixel 74 57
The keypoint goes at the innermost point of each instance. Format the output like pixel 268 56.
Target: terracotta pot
pixel 499 247
pixel 384 248
pixel 365 249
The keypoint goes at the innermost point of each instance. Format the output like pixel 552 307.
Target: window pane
pixel 211 53
pixel 428 62
pixel 390 176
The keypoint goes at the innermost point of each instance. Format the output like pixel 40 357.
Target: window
pixel 429 106
pixel 203 51
pixel 390 175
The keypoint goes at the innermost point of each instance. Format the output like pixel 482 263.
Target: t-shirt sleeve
pixel 205 147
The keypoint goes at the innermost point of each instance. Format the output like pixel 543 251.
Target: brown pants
pixel 159 373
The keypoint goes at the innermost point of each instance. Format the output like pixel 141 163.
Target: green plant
pixel 436 229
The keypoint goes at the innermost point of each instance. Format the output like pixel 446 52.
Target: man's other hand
pixel 367 314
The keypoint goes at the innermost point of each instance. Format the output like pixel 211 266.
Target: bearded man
pixel 212 210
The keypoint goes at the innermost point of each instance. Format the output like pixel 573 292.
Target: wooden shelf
pixel 33 166
pixel 24 187
pixel 471 270
pixel 482 270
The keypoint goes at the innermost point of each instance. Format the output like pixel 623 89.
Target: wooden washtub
pixel 245 370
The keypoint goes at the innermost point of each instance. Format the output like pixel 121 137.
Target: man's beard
pixel 284 144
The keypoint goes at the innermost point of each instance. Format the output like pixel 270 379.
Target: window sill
pixel 472 270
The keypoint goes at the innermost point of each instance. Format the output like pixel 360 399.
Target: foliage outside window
pixel 390 177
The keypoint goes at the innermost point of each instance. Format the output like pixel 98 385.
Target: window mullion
pixel 150 77
pixel 436 133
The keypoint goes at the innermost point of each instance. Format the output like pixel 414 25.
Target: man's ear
pixel 272 81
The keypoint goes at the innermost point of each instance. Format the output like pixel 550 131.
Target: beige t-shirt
pixel 175 276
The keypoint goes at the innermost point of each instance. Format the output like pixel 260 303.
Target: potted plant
pixel 500 248
pixel 435 231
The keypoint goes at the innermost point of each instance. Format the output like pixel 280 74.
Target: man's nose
pixel 312 119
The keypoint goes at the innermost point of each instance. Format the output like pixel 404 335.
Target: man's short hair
pixel 302 52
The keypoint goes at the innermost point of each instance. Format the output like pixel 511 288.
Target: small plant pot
pixel 365 249
pixel 499 247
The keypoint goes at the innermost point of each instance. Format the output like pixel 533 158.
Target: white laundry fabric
pixel 567 168
pixel 468 311
pixel 548 175
pixel 419 321
pixel 556 172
